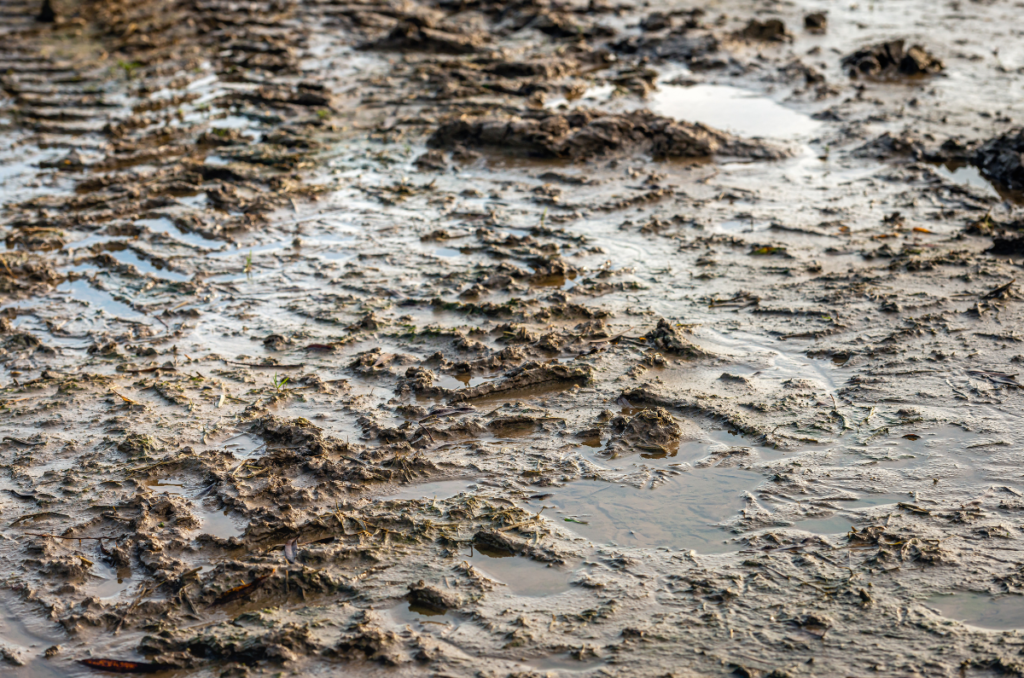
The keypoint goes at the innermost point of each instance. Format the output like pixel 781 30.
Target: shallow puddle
pixel 130 257
pixel 81 290
pixel 522 576
pixel 166 486
pixel 109 582
pixel 731 109
pixel 868 499
pixel 455 382
pixel 833 525
pixel 563 663
pixel 982 610
pixel 682 513
pixel 410 613
pixel 27 636
pixel 168 227
pixel 241 446
pixel 219 523
pixel 967 175
pixel 442 489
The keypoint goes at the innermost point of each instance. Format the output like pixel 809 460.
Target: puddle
pixel 880 499
pixel 219 523
pixel 442 489
pixel 28 635
pixel 455 382
pixel 967 175
pixel 167 227
pixel 83 291
pixel 166 486
pixel 109 582
pixel 241 446
pixel 731 109
pixel 563 663
pixel 127 256
pixel 682 513
pixel 1001 613
pixel 833 525
pixel 688 451
pixel 410 613
pixel 522 576
pixel 763 360
pixel 728 108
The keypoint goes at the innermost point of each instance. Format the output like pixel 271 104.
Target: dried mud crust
pixel 285 389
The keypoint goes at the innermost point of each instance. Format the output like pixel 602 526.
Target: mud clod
pixel 433 598
pixel 586 134
pixel 816 22
pixel 1000 159
pixel 651 431
pixel 528 378
pixel 772 30
pixel 892 58
pixel 671 340
pixel 365 639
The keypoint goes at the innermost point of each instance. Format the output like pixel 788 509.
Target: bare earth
pixel 511 339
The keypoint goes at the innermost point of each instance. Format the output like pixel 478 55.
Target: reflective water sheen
pixel 731 109
pixel 682 513
pixel 982 610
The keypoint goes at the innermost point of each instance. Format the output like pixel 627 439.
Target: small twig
pixel 525 522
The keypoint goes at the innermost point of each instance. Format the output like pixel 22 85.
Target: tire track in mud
pixel 254 378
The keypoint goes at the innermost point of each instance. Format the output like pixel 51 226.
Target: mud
pixel 483 339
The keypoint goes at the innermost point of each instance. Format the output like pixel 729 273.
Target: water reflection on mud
pixel 682 513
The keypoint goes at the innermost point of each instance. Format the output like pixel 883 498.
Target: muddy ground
pixel 511 339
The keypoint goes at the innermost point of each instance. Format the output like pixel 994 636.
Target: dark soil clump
pixel 1002 159
pixel 891 58
pixel 1007 245
pixel 583 134
pixel 816 22
pixel 772 30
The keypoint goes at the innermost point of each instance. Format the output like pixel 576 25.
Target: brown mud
pixel 511 339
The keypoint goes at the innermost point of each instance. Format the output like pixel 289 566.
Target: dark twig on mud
pixel 1000 292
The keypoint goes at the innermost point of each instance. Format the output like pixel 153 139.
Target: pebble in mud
pixel 269 361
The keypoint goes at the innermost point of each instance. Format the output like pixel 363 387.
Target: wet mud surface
pixel 511 339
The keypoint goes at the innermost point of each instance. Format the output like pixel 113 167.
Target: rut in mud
pixel 490 339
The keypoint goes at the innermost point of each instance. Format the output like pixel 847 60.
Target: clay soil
pixel 538 338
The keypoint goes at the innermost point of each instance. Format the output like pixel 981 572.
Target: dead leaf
pixel 118 666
